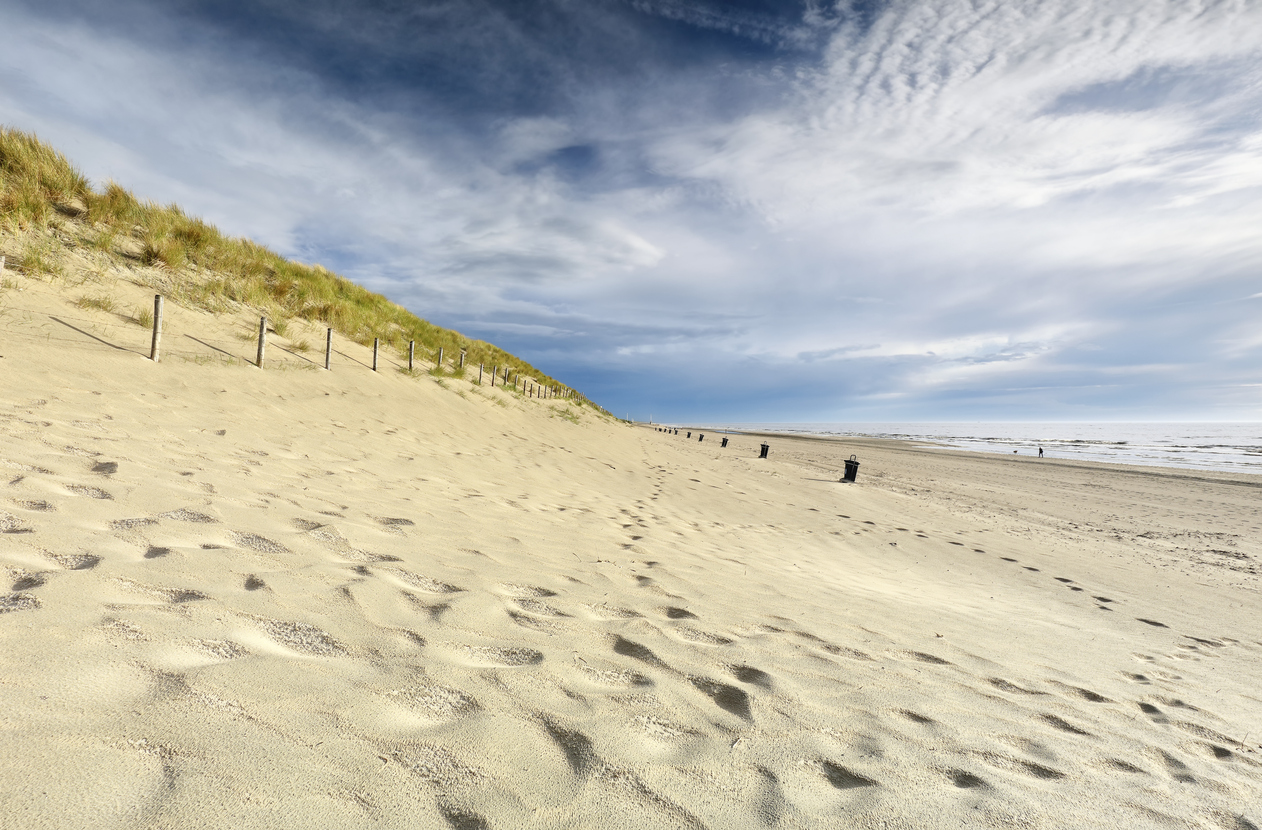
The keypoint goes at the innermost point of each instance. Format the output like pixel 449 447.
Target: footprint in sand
pixel 300 636
pixel 220 649
pixel 752 676
pixel 662 731
pixel 840 777
pixel 538 608
pixel 513 589
pixel 119 630
pixel 727 698
pixel 1079 692
pixel 75 561
pixel 435 704
pixel 18 602
pixel 422 583
pixel 1063 725
pixel 497 656
pixel 609 612
pixel 1005 686
pixel 90 492
pixel 26 580
pixel 171 595
pixel 1020 765
pixel 186 515
pixel 254 542
pixel 12 524
pixel 607 675
pixel 129 524
pixel 964 780
pixel 923 657
pixel 695 635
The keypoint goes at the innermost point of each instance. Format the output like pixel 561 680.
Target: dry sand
pixel 243 598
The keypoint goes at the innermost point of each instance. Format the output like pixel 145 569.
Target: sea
pixel 1227 447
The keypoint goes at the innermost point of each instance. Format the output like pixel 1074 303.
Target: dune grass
pixel 195 264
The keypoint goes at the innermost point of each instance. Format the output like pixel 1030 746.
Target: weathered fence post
pixel 479 374
pixel 440 357
pixel 157 322
pixel 1 265
pixel 494 371
pixel 411 353
pixel 328 348
pixel 262 341
pixel 375 342
pixel 462 353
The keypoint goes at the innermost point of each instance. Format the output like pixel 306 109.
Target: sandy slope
pixel 245 598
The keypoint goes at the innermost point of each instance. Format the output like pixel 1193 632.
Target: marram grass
pixel 40 190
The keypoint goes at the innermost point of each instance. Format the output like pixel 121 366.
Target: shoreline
pixel 1245 478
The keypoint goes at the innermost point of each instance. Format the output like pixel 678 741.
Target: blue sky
pixel 758 211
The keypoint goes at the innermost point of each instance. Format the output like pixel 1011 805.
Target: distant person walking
pixel 1040 452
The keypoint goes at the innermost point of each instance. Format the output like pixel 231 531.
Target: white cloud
pixel 961 191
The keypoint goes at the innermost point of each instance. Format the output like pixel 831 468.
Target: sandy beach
pixel 295 598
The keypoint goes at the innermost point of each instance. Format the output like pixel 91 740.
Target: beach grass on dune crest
pixel 54 208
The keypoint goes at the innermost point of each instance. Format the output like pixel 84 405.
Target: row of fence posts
pixel 528 386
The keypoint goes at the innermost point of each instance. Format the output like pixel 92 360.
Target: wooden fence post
pixel 495 370
pixel 411 353
pixel 479 374
pixel 375 341
pixel 328 348
pixel 262 341
pixel 440 357
pixel 462 358
pixel 157 322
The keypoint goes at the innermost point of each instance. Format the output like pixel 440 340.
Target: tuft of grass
pixel 104 239
pixel 142 317
pixel 35 180
pixel 302 346
pixel 199 266
pixel 572 417
pixel 41 259
pixel 98 303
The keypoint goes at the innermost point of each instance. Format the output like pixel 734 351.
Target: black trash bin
pixel 690 435
pixel 701 436
pixel 724 444
pixel 852 469
pixel 765 447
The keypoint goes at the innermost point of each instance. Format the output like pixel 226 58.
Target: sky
pixel 743 211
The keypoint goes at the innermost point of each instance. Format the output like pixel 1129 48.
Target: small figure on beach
pixel 1040 452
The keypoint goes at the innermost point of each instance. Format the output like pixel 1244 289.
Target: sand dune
pixel 243 598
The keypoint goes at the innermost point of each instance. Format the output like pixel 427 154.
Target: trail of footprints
pixel 620 669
